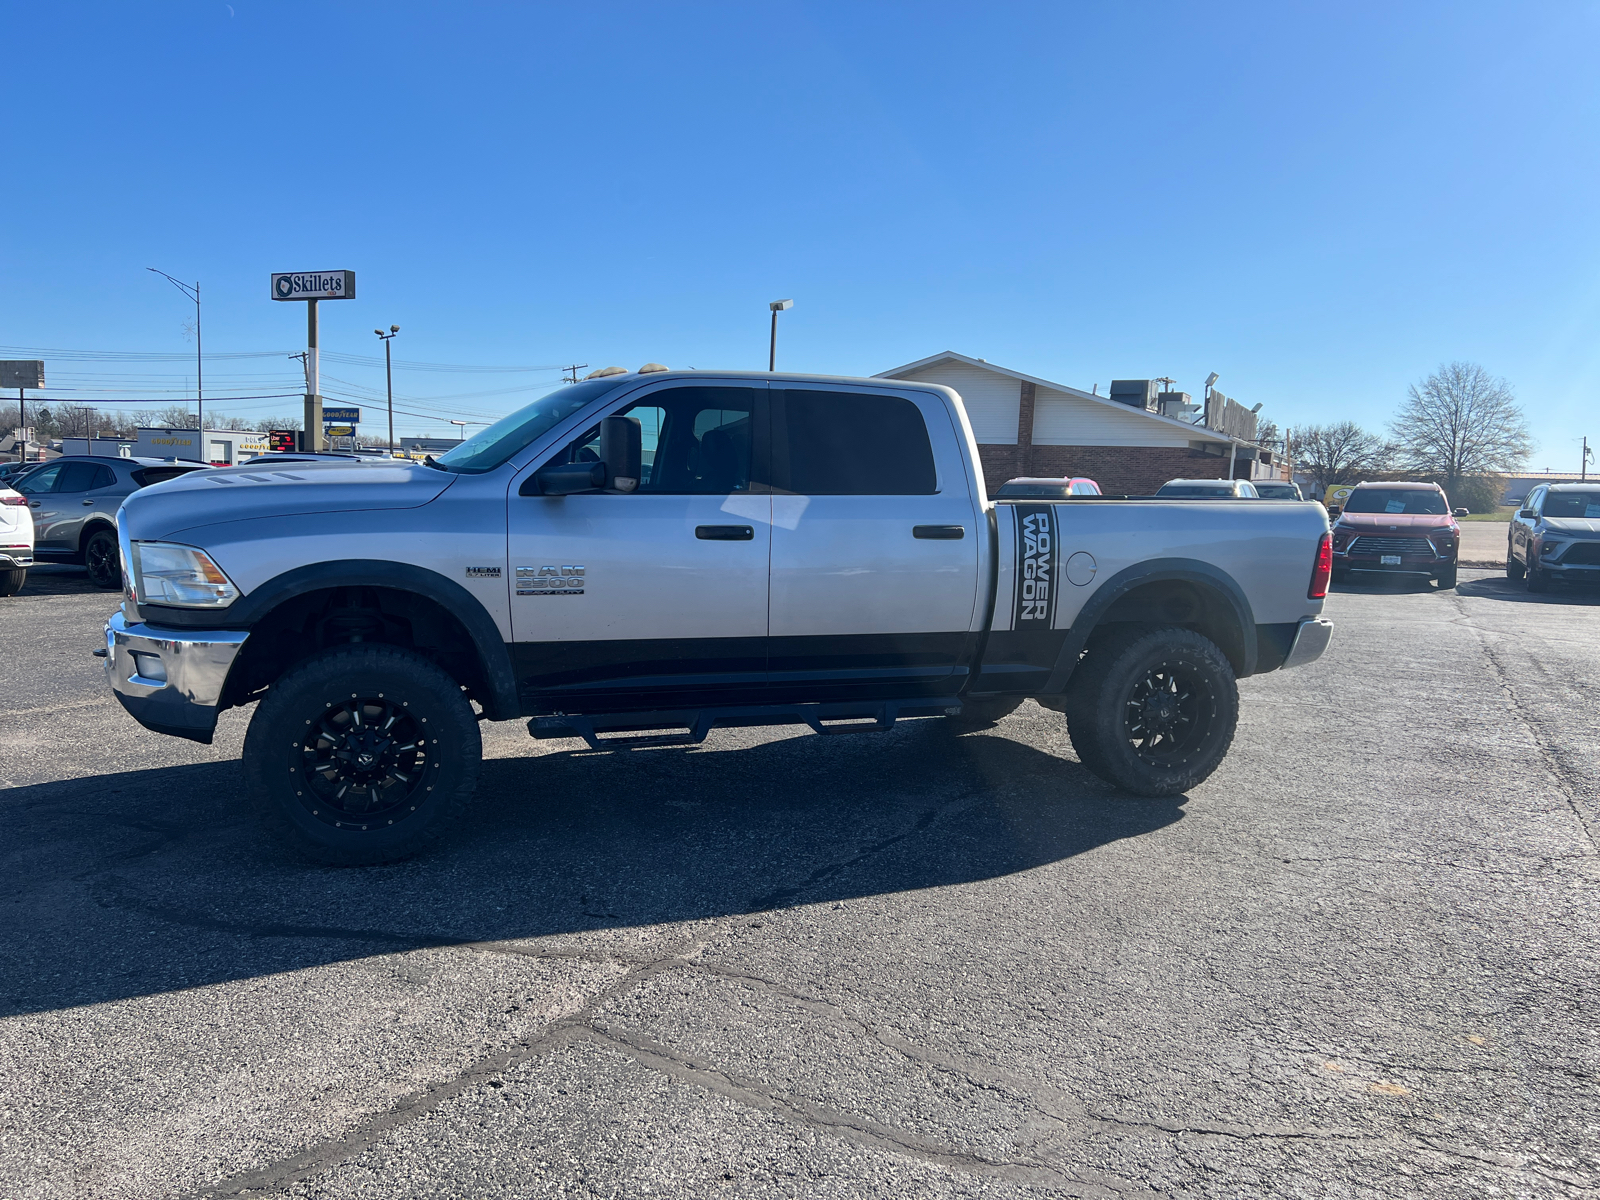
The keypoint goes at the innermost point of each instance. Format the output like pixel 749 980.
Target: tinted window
pixel 1032 491
pixel 39 482
pixel 104 477
pixel 1195 491
pixel 850 444
pixel 1572 504
pixel 1278 491
pixel 695 441
pixel 77 476
pixel 1397 502
pixel 151 475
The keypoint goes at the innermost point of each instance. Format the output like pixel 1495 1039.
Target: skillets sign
pixel 314 285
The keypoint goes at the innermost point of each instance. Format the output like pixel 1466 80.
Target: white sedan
pixel 16 541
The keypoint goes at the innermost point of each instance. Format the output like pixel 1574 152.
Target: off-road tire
pixel 983 713
pixel 103 559
pixel 1534 579
pixel 12 579
pixel 437 769
pixel 1447 579
pixel 1514 569
pixel 1119 680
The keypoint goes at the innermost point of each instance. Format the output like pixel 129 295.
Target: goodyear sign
pixel 314 285
pixel 341 416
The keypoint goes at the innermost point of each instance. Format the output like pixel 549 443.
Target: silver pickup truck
pixel 636 559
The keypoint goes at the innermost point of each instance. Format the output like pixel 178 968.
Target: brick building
pixel 1029 426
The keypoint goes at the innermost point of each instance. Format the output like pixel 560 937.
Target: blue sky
pixel 1320 202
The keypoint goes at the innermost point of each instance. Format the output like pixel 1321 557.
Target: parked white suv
pixel 16 541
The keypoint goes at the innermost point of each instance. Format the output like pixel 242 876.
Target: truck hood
pixel 200 498
pixel 1385 522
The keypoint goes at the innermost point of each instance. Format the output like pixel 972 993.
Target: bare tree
pixel 1340 453
pixel 1461 422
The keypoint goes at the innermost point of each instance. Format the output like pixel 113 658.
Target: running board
pixel 628 730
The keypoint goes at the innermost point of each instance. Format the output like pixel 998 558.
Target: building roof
pixel 1199 432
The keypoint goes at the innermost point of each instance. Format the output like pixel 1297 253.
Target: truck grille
pixel 1391 545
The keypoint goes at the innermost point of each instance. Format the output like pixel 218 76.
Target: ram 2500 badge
pixel 636 559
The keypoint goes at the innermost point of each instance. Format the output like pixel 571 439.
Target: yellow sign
pixel 1338 495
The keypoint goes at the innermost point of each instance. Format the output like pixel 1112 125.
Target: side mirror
pixel 565 479
pixel 1335 509
pixel 1460 512
pixel 621 450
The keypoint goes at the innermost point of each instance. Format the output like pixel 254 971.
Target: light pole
pixel 199 383
pixel 777 306
pixel 388 376
pixel 463 425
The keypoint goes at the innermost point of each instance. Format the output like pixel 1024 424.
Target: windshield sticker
pixel 1395 506
pixel 1591 510
pixel 550 581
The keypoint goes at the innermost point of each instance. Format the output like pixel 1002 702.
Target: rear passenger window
pixel 76 477
pixel 850 444
pixel 103 477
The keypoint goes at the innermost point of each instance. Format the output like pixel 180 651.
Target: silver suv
pixel 1555 535
pixel 74 501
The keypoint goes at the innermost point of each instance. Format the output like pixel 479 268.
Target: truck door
pixel 656 598
pixel 875 541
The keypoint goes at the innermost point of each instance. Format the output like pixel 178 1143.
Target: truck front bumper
pixel 169 680
pixel 1310 640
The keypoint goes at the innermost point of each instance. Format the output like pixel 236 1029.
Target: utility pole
pixel 388 376
pixel 1583 467
pixel 574 368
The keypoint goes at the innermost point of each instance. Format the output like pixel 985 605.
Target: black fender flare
pixel 92 526
pixel 493 655
pixel 1156 570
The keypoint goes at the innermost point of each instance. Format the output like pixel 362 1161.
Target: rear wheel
pixel 364 755
pixel 1153 710
pixel 12 579
pixel 104 561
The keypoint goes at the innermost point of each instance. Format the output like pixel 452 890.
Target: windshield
pixel 1572 504
pixel 487 450
pixel 1195 491
pixel 1398 502
pixel 1278 491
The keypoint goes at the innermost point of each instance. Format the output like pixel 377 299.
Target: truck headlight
pixel 167 573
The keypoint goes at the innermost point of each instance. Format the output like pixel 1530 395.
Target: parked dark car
pixel 1398 529
pixel 1207 489
pixel 1031 488
pixel 1555 535
pixel 1279 490
pixel 74 500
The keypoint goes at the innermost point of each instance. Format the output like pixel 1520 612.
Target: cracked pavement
pixel 1357 962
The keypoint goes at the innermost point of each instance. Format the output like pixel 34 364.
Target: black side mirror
pixel 1460 512
pixel 621 450
pixel 565 479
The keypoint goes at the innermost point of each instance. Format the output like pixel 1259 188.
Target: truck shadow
pixel 1515 591
pixel 152 881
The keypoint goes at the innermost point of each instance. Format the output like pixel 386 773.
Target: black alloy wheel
pixel 104 560
pixel 364 761
pixel 1168 713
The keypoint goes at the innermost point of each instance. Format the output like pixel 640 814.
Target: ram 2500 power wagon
pixel 639 558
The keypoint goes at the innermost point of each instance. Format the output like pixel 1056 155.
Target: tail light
pixel 1322 570
pixel 19 501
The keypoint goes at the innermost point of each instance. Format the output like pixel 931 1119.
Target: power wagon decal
pixel 1038 566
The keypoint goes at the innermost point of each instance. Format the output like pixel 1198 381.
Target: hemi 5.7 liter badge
pixel 483 572
pixel 549 581
pixel 1038 562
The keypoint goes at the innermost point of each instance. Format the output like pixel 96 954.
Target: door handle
pixel 88 503
pixel 725 533
pixel 939 533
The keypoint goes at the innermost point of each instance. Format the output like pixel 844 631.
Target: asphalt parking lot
pixel 1358 962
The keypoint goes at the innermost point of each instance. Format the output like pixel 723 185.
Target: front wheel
pixel 1153 710
pixel 1534 579
pixel 1514 569
pixel 1447 579
pixel 104 561
pixel 12 579
pixel 362 755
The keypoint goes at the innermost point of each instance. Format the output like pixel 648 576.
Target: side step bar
pixel 627 730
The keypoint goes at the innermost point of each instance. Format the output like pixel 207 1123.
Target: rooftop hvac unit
pixel 1178 405
pixel 1135 393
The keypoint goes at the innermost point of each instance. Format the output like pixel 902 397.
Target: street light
pixel 199 384
pixel 777 306
pixel 463 425
pixel 388 376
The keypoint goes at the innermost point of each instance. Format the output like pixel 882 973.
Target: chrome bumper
pixel 1310 640
pixel 170 680
pixel 12 557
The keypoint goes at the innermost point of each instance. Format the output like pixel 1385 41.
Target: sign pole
pixel 313 381
pixel 22 423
